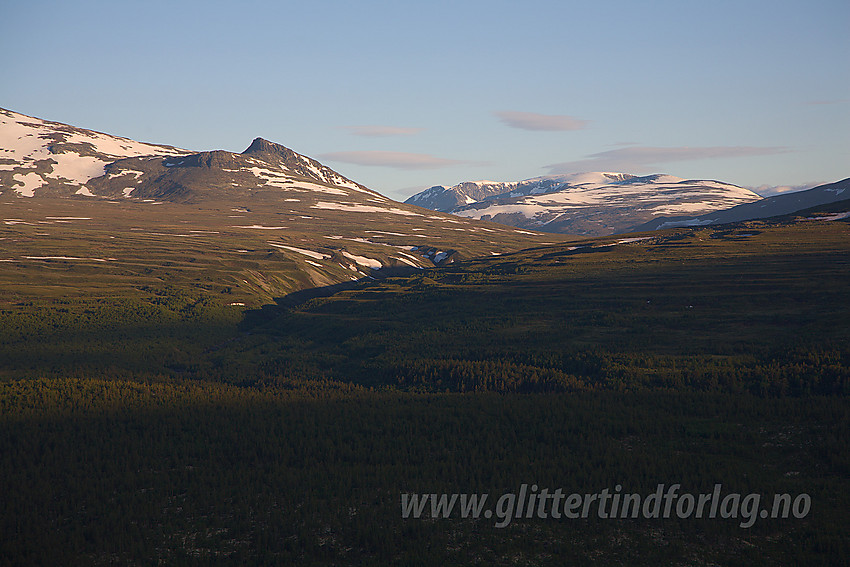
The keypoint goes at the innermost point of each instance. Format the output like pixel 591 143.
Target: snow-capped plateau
pixel 776 205
pixel 590 203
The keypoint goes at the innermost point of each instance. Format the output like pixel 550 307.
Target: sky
pixel 401 96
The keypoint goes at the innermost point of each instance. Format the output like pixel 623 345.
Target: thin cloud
pixel 833 101
pixel 375 131
pixel 398 160
pixel 771 190
pixel 640 159
pixel 533 121
pixel 406 192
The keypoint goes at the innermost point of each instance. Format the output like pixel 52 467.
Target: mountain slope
pixel 220 174
pixel 57 159
pixel 264 222
pixel 593 204
pixel 43 158
pixel 765 208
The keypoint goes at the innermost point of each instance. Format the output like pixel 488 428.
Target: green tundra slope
pixel 757 307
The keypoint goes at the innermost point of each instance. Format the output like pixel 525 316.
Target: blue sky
pixel 400 96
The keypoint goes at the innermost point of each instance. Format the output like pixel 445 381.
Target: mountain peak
pixel 297 164
pixel 263 146
pixel 277 154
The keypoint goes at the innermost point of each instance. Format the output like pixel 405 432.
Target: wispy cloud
pixel 376 131
pixel 640 159
pixel 833 101
pixel 533 121
pixel 398 160
pixel 771 190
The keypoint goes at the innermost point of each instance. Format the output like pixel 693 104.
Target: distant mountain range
pixel 591 204
pixel 43 159
pixel 602 203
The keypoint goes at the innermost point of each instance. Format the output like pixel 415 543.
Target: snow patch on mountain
pixel 310 253
pixel 357 208
pixel 261 227
pixel 30 182
pixel 363 260
pixel 318 188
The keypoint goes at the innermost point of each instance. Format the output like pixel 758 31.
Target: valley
pixel 164 422
pixel 246 359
